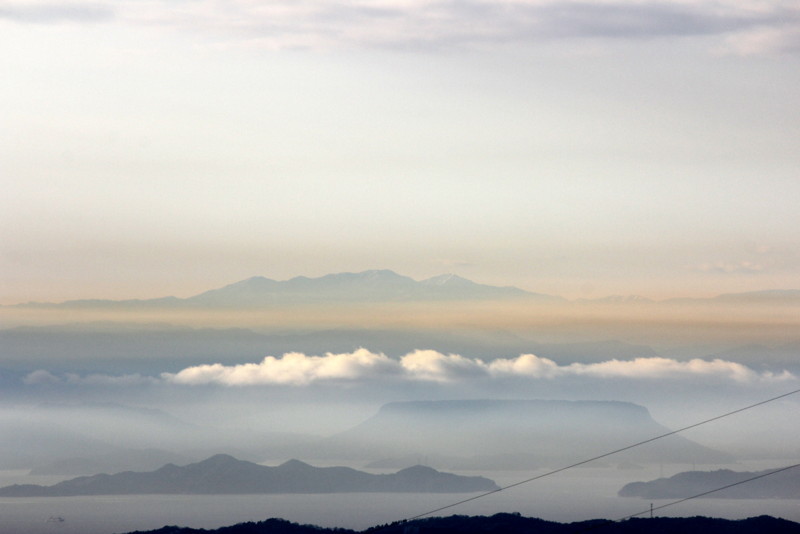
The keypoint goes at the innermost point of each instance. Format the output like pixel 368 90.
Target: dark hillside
pixel 516 524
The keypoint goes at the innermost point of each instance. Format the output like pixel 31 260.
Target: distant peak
pixel 253 281
pixel 418 470
pixel 294 464
pixel 446 279
pixel 220 459
pixel 371 275
pixel 377 273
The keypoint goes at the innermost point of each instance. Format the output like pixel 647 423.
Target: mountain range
pixel 368 286
pixel 224 474
pixel 382 286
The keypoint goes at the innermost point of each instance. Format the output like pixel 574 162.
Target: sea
pixel 574 495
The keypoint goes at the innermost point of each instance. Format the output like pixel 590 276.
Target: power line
pixel 605 455
pixel 673 503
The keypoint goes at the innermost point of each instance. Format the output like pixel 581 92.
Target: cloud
pixel 363 366
pixel 432 366
pixel 666 368
pixel 41 377
pixel 33 12
pixel 106 380
pixel 782 39
pixel 438 367
pixel 447 24
pixel 744 26
pixel 293 368
pixel 634 19
pixel 526 365
pixel 420 366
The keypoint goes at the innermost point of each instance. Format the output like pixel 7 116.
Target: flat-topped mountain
pixel 781 485
pixel 224 474
pixel 512 434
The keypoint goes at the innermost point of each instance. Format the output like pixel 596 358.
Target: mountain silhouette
pixel 509 434
pixel 384 285
pixel 782 485
pixel 367 286
pixel 224 474
pixel 505 523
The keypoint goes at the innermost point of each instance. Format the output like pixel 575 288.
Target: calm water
pixel 570 496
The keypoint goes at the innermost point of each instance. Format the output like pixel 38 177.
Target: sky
pixel 575 148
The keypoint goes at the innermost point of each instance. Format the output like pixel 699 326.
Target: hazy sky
pixel 578 148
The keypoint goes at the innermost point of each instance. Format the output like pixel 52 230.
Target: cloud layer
pixel 431 366
pixel 745 26
pixel 43 377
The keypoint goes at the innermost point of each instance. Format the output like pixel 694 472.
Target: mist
pixel 499 387
pixel 89 391
pixel 169 386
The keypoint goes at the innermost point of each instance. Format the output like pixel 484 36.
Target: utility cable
pixel 605 455
pixel 673 503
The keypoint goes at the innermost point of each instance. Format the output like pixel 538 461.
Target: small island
pixel 781 485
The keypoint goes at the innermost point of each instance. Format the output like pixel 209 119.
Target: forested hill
pixel 516 524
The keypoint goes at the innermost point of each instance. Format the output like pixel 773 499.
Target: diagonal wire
pixel 605 455
pixel 673 503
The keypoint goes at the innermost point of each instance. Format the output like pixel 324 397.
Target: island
pixel 224 474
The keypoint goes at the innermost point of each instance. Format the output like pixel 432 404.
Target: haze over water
pixel 554 499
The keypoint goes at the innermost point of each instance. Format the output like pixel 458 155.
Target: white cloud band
pixel 428 365
pixel 293 368
pixel 297 369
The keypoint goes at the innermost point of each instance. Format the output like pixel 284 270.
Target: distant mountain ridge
pixel 367 286
pixel 376 285
pixel 224 474
pixel 384 285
